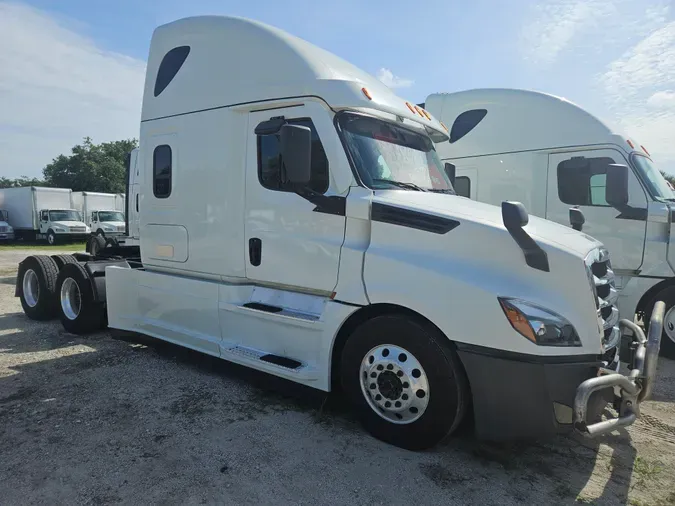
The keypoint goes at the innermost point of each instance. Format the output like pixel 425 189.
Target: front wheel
pixel 51 238
pixel 405 381
pixel 668 336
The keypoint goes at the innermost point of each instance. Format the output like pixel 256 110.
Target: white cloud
pixel 389 79
pixel 56 87
pixel 638 89
pixel 554 26
pixel 665 99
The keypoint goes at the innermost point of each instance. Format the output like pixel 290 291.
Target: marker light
pixel 427 114
pixel 443 125
pixel 632 146
pixel 412 109
pixel 645 150
pixel 366 93
pixel 419 111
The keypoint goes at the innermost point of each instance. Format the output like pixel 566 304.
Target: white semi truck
pixel 551 154
pixel 100 212
pixel 43 213
pixel 296 219
pixel 6 230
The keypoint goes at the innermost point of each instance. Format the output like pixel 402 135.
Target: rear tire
pixel 62 260
pixel 423 397
pixel 78 311
pixel 667 295
pixel 95 245
pixel 37 282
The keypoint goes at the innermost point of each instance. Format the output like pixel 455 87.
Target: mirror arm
pixel 327 204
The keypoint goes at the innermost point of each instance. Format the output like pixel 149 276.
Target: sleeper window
pixel 582 181
pixel 161 171
pixel 270 163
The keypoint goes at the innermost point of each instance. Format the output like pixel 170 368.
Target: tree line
pixel 89 167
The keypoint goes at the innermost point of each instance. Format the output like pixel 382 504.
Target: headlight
pixel 59 229
pixel 539 325
pixel 108 228
pixel 10 229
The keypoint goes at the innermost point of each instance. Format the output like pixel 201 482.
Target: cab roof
pixel 221 61
pixel 516 120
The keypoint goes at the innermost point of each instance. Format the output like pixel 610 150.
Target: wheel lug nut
pixel 399 374
pixel 373 375
pixel 404 397
pixel 387 404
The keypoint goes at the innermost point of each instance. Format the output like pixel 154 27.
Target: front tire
pixel 667 295
pixel 37 280
pixel 78 311
pixel 51 238
pixel 405 382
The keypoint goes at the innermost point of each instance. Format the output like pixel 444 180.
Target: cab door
pixel 578 179
pixel 292 242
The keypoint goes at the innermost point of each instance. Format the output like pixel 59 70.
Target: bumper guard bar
pixel 633 388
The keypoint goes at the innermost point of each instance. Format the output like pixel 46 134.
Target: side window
pixel 466 122
pixel 93 216
pixel 463 186
pixel 45 216
pixel 270 164
pixel 171 64
pixel 582 181
pixel 161 171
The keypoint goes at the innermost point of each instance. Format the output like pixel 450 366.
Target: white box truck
pixel 551 154
pixel 6 230
pixel 296 219
pixel 120 201
pixel 43 213
pixel 100 212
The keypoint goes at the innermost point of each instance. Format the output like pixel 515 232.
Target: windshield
pixel 110 216
pixel 651 176
pixel 391 156
pixel 3 215
pixel 65 215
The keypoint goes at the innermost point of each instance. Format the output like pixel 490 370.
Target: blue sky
pixel 73 67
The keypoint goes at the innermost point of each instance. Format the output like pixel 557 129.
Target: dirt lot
pixel 107 419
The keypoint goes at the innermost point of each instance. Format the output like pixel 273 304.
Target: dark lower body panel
pixel 517 396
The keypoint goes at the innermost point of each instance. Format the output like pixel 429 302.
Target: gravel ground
pixel 119 419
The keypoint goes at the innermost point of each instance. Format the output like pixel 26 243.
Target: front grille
pixel 77 230
pixel 120 228
pixel 600 270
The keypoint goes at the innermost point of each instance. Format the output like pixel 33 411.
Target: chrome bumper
pixel 633 388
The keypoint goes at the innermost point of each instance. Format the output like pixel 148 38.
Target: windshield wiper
pixel 449 191
pixel 401 184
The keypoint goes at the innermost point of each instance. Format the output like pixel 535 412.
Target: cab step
pixel 264 361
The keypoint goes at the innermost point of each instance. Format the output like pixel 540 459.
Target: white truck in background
pixel 120 202
pixel 100 212
pixel 6 230
pixel 551 154
pixel 308 230
pixel 43 213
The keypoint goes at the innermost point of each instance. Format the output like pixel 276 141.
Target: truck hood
pixel 68 224
pixel 4 224
pixel 463 209
pixel 113 223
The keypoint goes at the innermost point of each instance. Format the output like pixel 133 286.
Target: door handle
pixel 137 202
pixel 255 251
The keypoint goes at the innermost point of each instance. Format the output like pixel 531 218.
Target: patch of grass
pixel 39 245
pixel 644 470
